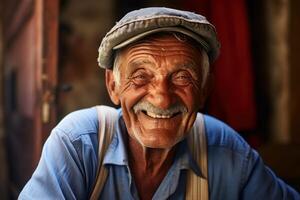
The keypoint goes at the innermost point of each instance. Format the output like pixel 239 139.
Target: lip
pixel 149 122
pixel 157 116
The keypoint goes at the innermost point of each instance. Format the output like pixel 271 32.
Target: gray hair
pixel 205 67
pixel 116 68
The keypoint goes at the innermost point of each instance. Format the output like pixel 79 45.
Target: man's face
pixel 160 89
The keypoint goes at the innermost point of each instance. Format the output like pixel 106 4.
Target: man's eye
pixel 140 79
pixel 181 79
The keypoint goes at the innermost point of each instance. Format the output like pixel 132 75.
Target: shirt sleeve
pixel 262 183
pixel 61 172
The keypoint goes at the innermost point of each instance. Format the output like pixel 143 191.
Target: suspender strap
pixel 106 117
pixel 197 187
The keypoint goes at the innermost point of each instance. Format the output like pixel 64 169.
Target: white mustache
pixel 149 107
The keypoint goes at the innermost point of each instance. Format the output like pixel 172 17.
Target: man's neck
pixel 148 166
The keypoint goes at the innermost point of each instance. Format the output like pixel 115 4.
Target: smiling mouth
pixel 160 116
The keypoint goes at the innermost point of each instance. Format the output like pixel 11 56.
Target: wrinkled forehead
pixel 163 38
pixel 168 42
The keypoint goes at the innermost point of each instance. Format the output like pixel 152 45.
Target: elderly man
pixel 157 69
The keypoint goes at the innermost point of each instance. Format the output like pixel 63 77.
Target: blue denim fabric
pixel 69 162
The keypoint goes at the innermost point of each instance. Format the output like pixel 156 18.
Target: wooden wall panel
pixel 30 64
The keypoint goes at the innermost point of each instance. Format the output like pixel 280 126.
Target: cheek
pixel 131 95
pixel 128 98
pixel 190 97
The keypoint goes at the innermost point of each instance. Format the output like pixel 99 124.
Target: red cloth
pixel 232 98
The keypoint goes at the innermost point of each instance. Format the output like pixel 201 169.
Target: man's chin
pixel 160 138
pixel 158 133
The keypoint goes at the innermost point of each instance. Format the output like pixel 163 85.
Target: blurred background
pixel 48 68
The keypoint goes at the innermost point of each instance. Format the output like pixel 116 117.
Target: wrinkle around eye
pixel 127 85
pixel 182 78
pixel 197 85
pixel 140 77
pixel 140 80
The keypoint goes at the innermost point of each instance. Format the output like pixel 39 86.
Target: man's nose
pixel 161 95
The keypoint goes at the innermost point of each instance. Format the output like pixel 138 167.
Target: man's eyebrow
pixel 138 63
pixel 187 65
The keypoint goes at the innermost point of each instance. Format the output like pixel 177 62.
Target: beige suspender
pixel 197 187
pixel 106 117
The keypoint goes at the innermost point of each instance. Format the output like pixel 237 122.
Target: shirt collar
pixel 117 151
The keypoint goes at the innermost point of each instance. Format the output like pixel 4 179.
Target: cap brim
pixel 164 29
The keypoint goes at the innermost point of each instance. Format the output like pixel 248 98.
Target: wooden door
pixel 30 64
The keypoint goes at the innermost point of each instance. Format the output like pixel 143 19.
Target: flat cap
pixel 139 23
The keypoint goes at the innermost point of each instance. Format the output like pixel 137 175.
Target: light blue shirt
pixel 68 165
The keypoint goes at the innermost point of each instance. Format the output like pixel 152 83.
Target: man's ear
pixel 206 90
pixel 112 87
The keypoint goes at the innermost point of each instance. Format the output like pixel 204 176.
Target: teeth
pixel 158 116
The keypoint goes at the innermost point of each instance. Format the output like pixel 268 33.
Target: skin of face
pixel 162 71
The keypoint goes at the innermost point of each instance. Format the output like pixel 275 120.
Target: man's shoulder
pixel 78 123
pixel 220 135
